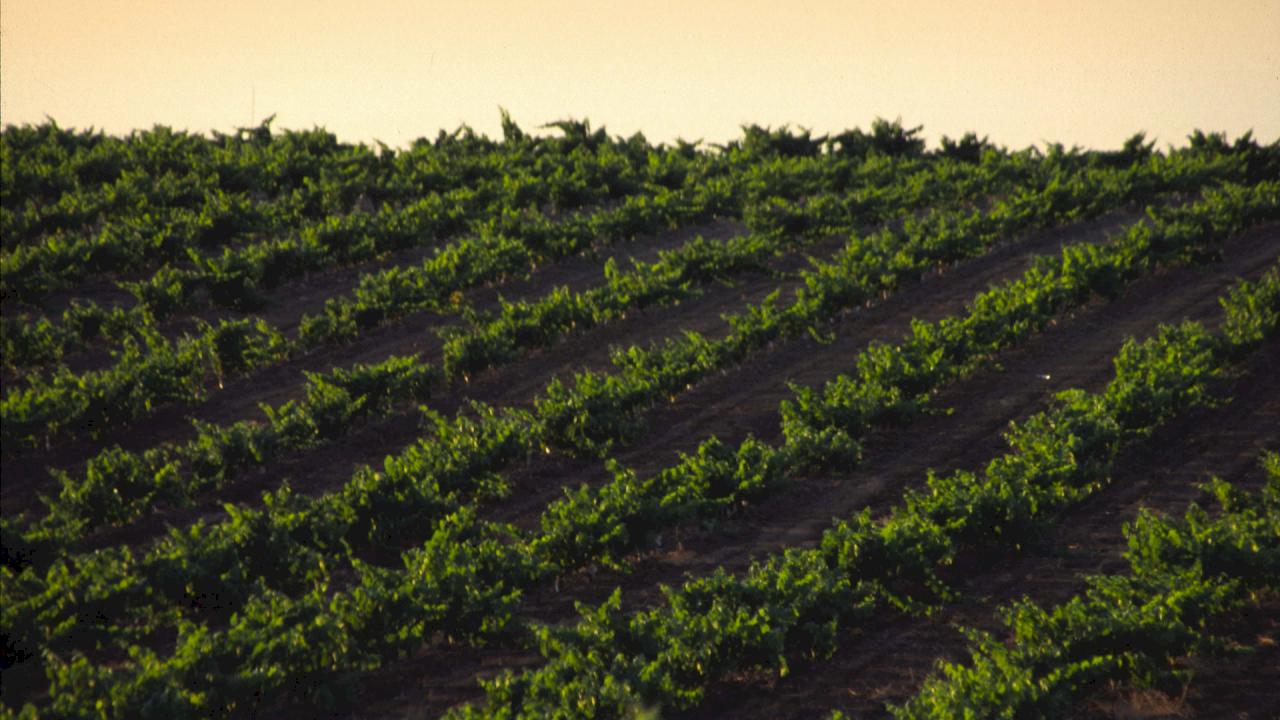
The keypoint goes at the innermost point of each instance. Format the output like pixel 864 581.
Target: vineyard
pixel 566 424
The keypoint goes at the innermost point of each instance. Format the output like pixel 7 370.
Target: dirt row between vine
pixel 721 404
pixel 1074 352
pixel 282 306
pixel 327 467
pixel 744 399
pixel 1244 685
pixel 415 333
pixel 888 661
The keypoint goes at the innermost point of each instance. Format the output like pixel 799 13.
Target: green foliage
pixel 885 138
pixel 1252 310
pixel 969 148
pixel 608 663
pixel 300 594
pixel 1126 628
pixel 118 486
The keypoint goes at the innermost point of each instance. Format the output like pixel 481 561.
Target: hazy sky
pixel 1022 71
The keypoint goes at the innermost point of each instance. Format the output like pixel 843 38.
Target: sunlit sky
pixel 1087 72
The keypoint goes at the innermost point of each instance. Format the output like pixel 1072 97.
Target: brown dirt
pixel 744 399
pixel 283 305
pixel 1243 683
pixel 1073 353
pixel 325 468
pixel 25 474
pixel 887 661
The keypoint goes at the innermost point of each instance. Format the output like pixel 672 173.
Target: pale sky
pixel 1086 72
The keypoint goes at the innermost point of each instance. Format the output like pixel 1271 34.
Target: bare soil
pixel 887 662
pixel 25 474
pixel 888 659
